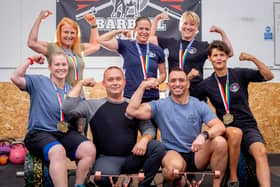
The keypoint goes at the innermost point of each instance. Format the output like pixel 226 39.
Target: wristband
pixel 205 134
pixel 31 61
pixel 93 26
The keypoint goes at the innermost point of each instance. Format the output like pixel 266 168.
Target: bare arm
pixel 18 75
pixel 76 90
pixel 135 108
pixel 162 73
pixel 217 128
pixel 224 37
pixel 93 45
pixel 153 38
pixel 109 41
pixel 33 43
pixel 266 73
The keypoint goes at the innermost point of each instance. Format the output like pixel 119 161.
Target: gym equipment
pixel 4 159
pixel 5 145
pixel 17 153
pixel 36 172
pixel 123 180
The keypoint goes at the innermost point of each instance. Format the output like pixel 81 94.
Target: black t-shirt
pixel 196 56
pixel 239 79
pixel 115 135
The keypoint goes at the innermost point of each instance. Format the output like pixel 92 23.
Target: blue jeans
pixel 115 165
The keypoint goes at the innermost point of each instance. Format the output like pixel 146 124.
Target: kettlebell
pixel 17 153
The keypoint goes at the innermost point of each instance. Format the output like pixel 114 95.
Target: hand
pixel 44 14
pixel 193 73
pixel 162 16
pixel 198 142
pixel 150 83
pixel 214 28
pixel 90 18
pixel 140 148
pixel 38 58
pixel 245 56
pixel 90 82
pixel 127 33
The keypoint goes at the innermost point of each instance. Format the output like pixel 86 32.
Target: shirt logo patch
pixel 234 87
pixel 193 50
pixel 152 55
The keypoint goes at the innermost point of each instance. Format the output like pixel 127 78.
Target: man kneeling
pixel 179 118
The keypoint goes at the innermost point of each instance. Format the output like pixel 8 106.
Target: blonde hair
pixel 76 44
pixel 191 15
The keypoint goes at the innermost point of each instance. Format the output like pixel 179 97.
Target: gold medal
pixel 227 118
pixel 62 126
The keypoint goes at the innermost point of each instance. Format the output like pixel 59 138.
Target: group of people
pixel 132 103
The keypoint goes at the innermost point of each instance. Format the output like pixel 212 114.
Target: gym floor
pixel 8 174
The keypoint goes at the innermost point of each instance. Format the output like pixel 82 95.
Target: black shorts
pixel 189 159
pixel 40 142
pixel 250 136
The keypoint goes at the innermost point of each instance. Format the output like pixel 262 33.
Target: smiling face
pixel 114 82
pixel 188 26
pixel 218 54
pixel 218 59
pixel 68 35
pixel 58 66
pixel 178 83
pixel 143 29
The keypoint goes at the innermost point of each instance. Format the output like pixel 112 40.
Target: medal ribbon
pixel 225 96
pixel 144 64
pixel 60 101
pixel 75 63
pixel 182 57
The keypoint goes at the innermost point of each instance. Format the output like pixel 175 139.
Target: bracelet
pixel 205 134
pixel 31 61
pixel 93 26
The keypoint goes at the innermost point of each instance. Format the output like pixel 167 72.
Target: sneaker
pixel 233 184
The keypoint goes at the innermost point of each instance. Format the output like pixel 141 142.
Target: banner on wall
pixel 121 14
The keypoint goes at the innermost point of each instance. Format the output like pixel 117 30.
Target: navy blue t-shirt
pixel 196 56
pixel 239 79
pixel 133 69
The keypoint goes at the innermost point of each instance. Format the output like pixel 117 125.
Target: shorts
pixel 40 142
pixel 250 136
pixel 189 159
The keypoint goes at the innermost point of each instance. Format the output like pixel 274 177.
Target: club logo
pixel 124 12
pixel 234 87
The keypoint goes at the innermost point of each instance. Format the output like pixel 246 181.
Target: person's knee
pixel 57 153
pixel 260 153
pixel 234 136
pixel 172 161
pixel 219 144
pixel 86 151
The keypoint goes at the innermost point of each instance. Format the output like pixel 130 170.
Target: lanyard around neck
pixel 144 63
pixel 183 56
pixel 75 63
pixel 59 98
pixel 224 94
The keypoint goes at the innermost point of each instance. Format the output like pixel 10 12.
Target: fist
pixel 89 82
pixel 45 13
pixel 193 73
pixel 162 16
pixel 245 56
pixel 39 58
pixel 90 18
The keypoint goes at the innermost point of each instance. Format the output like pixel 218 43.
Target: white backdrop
pixel 243 20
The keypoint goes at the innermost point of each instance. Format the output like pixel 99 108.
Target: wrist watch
pixel 205 134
